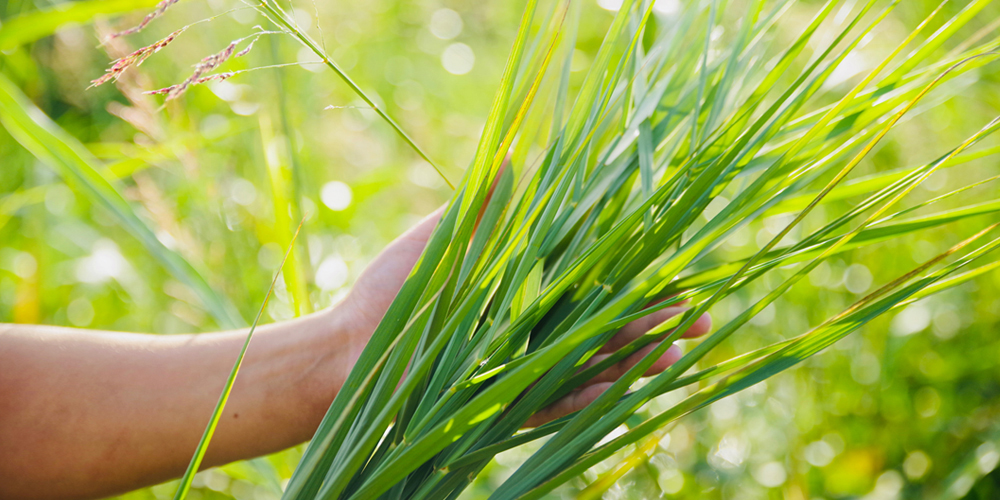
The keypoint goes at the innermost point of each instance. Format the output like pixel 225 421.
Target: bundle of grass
pixel 496 322
pixel 674 141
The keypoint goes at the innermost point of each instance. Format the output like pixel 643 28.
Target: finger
pixel 382 279
pixel 639 327
pixel 423 229
pixel 578 400
pixel 573 401
pixel 616 371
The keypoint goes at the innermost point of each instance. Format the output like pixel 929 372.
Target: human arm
pixel 85 414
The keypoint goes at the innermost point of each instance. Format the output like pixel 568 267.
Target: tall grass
pixel 496 320
pixel 62 152
pixel 614 203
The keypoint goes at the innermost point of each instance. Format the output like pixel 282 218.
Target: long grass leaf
pixel 62 152
pixel 199 454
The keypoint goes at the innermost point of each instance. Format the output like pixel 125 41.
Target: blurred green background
pixel 905 408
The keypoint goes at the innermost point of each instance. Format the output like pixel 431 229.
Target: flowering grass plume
pixel 205 79
pixel 157 12
pixel 210 63
pixel 134 59
pixel 206 65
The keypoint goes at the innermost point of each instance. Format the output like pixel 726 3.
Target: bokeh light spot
pixel 336 195
pixel 458 59
pixel 446 24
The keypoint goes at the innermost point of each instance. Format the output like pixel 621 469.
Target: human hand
pixel 378 285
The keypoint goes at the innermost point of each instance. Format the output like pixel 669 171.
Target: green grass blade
pixel 790 354
pixel 275 14
pixel 34 25
pixel 62 152
pixel 199 454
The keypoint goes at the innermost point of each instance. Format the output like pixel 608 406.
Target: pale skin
pixel 88 414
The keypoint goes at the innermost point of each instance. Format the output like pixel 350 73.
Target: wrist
pixel 334 343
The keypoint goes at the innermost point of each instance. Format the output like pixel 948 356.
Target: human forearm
pixel 85 414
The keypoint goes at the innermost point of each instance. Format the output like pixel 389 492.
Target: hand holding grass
pixel 379 283
pixel 88 414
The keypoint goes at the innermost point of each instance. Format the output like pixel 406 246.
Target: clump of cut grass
pixel 518 289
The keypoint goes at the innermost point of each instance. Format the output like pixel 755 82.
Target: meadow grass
pixel 582 211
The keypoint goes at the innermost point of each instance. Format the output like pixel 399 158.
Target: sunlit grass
pixel 635 183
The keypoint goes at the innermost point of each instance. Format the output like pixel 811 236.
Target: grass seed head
pixel 157 12
pixel 134 59
pixel 206 65
pixel 205 79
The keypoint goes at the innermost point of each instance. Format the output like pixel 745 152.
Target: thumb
pixel 423 229
pixel 379 283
